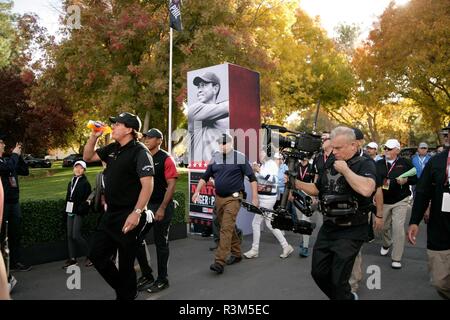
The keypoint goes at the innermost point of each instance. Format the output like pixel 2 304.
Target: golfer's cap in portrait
pixel 208 77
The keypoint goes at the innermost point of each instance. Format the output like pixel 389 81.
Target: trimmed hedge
pixel 45 220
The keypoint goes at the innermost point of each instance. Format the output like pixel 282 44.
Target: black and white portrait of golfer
pixel 208 110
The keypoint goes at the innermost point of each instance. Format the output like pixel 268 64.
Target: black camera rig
pixel 280 219
pixel 294 147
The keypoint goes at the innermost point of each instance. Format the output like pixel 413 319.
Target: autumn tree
pixel 410 46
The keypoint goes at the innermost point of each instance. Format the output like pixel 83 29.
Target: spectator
pixel 77 206
pixel 420 159
pixel 10 168
pixel 372 151
pixel 392 200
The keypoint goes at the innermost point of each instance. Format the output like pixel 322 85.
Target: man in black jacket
pixel 10 168
pixel 434 185
pixel 392 200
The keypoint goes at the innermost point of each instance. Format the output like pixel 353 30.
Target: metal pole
pixel 316 117
pixel 169 140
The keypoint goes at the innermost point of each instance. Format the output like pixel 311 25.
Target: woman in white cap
pixel 77 206
pixel 267 175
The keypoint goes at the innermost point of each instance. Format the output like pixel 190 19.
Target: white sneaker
pixel 12 283
pixel 396 265
pixel 252 253
pixel 287 251
pixel 384 251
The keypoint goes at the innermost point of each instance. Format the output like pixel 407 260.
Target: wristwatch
pixel 138 211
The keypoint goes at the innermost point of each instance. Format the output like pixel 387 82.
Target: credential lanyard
pixel 73 186
pixel 392 167
pixel 303 174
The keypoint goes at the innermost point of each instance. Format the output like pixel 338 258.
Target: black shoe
pixel 69 263
pixel 145 282
pixel 158 286
pixel 20 267
pixel 216 267
pixel 233 260
pixel 206 234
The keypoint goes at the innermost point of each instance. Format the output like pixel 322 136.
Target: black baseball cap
pixel 128 119
pixel 153 133
pixel 224 138
pixel 358 134
pixel 208 77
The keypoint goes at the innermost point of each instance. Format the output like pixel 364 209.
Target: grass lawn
pixel 51 183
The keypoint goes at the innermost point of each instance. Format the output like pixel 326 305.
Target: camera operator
pixel 345 192
pixel 305 174
pixel 324 157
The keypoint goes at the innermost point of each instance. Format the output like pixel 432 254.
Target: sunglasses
pixel 325 139
pixel 388 149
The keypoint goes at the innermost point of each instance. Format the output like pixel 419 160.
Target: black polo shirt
pixel 125 166
pixel 320 161
pixel 306 173
pixel 362 167
pixel 385 170
pixel 228 171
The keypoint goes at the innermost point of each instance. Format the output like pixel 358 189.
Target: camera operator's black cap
pixel 447 128
pixel 153 133
pixel 358 134
pixel 128 119
pixel 225 138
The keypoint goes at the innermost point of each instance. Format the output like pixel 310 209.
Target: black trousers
pixel 104 244
pixel 161 236
pixel 332 264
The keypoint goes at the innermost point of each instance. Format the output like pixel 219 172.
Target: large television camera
pixel 294 146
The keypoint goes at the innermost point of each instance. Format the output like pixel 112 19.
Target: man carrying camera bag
pixel 345 190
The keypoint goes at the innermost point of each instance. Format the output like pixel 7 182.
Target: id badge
pixel 446 202
pixel 69 207
pixel 12 182
pixel 386 183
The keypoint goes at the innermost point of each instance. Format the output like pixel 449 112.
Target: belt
pixel 234 195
